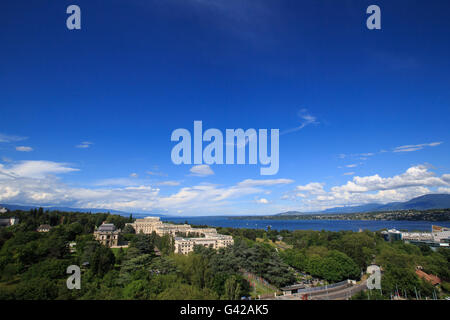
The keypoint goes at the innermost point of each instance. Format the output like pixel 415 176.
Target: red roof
pixel 429 277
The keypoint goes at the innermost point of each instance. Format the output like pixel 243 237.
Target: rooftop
pixel 107 227
pixel 434 280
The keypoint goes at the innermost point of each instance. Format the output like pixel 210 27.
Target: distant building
pixel 207 237
pixel 107 234
pixel 44 228
pixel 440 234
pixel 3 210
pixel 6 222
pixel 439 237
pixel 72 247
pixel 186 245
pixel 149 225
pixel 431 278
pixel 392 235
pixel 293 289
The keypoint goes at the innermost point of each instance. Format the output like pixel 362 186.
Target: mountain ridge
pixel 12 207
pixel 425 202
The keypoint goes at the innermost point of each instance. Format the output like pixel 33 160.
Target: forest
pixel 33 265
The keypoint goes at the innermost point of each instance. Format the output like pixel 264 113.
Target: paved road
pixel 340 293
pixel 344 294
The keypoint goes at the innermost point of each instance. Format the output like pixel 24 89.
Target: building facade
pixel 439 237
pixel 44 228
pixel 185 236
pixel 107 234
pixel 186 245
pixel 7 222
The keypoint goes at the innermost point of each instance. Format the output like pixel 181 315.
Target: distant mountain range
pixel 429 201
pixel 12 207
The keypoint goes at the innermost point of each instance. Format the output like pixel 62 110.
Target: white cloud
pixel 168 183
pixel 414 176
pixel 24 149
pixel 305 119
pixel 84 145
pixel 361 156
pixel 117 182
pixel 10 138
pixel 415 181
pixel 348 173
pixel 262 201
pixel 35 169
pixel 156 173
pixel 37 183
pixel 265 182
pixel 24 184
pixel 415 147
pixel 443 190
pixel 201 170
pixel 405 148
pixel 134 175
pixel 312 188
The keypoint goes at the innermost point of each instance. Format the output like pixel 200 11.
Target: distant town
pixel 399 215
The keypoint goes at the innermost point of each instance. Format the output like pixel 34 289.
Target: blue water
pixel 329 225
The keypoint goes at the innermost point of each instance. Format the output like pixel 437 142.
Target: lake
pixel 329 225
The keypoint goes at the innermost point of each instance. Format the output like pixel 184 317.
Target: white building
pixel 186 237
pixel 186 245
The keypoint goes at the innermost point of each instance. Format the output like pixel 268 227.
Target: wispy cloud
pixel 37 169
pixel 169 183
pixel 264 182
pixel 416 147
pixel 201 170
pixel 6 138
pixel 157 173
pixel 305 119
pixel 405 148
pixel 122 182
pixel 24 149
pixel 244 19
pixel 361 156
pixel 84 145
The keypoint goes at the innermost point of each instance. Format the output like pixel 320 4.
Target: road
pixel 339 293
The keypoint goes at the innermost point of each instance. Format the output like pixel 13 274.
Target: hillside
pixel 429 201
pixel 12 207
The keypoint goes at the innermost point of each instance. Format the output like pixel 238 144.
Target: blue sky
pixel 87 115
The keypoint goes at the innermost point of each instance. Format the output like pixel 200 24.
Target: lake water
pixel 329 225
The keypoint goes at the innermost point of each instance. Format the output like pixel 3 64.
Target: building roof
pixel 44 227
pixel 293 287
pixel 108 227
pixel 434 280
